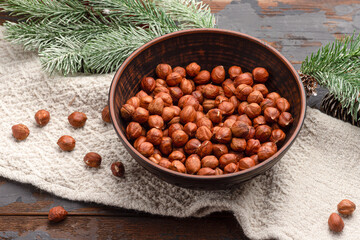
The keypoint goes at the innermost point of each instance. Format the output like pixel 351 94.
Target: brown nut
pixel 142 93
pixel 226 108
pixel 156 106
pixel 215 115
pixel 145 101
pixel 155 158
pixel 154 136
pixel 223 135
pixel 346 207
pixel 227 158
pixel 255 97
pixel 234 71
pixel 219 99
pixel 168 113
pixel 241 108
pixel 218 171
pixel 127 111
pixel 174 120
pixel 251 133
pixel 271 114
pixel 178 166
pixel 141 115
pixel 231 168
pixel 261 88
pixel 205 149
pixel 235 102
pixel 118 169
pixel 134 101
pixel 188 114
pixel 155 121
pixel 209 161
pixel 210 91
pixel 188 100
pixel 186 86
pixel 105 114
pixel 193 69
pixel 190 129
pixel 177 110
pixel 260 74
pixel 77 119
pixel 219 150
pixel 159 89
pixel 242 91
pixel 174 127
pixel 229 89
pixel 285 119
pixel 92 159
pixel 193 164
pixel 282 104
pixel 164 162
pixel 273 96
pixel 245 119
pixel 179 138
pixel 246 163
pixel 42 117
pixel 267 102
pixel 238 144
pixel 240 129
pixel 336 224
pixel 203 77
pixel 198 96
pixel 57 214
pixel 204 122
pixel 148 84
pixel 139 141
pixel 218 74
pixel 177 155
pixel 252 110
pixel 252 147
pixel 229 123
pixel 263 133
pixel 203 133
pixel 180 70
pixel 266 150
pixel 277 136
pixel 200 115
pixel 206 171
pixel 244 78
pixel 176 93
pixel 66 143
pixel 163 70
pixel 20 131
pixel 192 146
pixel 146 149
pixel 166 97
pixel 165 146
pixel 259 120
pixel 256 158
pixel 208 104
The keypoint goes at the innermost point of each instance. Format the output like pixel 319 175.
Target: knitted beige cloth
pixel 293 200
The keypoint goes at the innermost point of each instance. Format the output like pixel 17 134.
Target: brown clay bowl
pixel 209 48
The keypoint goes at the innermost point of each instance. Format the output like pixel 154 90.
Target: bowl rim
pixel 259 166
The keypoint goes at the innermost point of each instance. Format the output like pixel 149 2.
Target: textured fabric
pixel 293 200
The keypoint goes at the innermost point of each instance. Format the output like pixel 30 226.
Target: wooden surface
pixel 294 27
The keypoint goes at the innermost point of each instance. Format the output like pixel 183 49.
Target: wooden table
pixel 294 27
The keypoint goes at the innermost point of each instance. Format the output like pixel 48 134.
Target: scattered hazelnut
pixel 66 143
pixel 218 74
pixel 148 84
pixel 193 69
pixel 42 117
pixel 192 146
pixel 118 169
pixel 246 163
pixel 346 207
pixel 203 133
pixel 205 149
pixel 178 166
pixel 20 131
pixel 244 78
pixel 154 136
pixel 146 149
pixel 180 70
pixel 193 164
pixel 238 144
pixel 77 119
pixel 179 138
pixel 163 70
pixel 92 159
pixel 202 77
pixel 190 129
pixel 261 88
pixel 282 104
pixel 252 110
pixel 260 74
pixel 57 214
pixel 234 71
pixel 209 161
pixel 188 114
pixel 223 135
pixel 105 114
pixel 177 155
pixel 285 119
pixel 206 171
pixel 230 168
pixel 336 224
pixel 277 136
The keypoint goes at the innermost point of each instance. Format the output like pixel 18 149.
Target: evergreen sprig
pixel 337 67
pixel 96 36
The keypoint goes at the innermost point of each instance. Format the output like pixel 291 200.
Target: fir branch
pixel 337 67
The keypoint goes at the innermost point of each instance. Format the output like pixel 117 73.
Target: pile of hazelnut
pixel 198 122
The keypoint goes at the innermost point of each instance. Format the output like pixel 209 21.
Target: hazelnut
pixel 255 157
pixel 156 106
pixel 277 136
pixel 266 150
pixel 218 171
pixel 105 114
pixel 145 101
pixel 261 88
pixel 176 93
pixel 219 99
pixel 190 129
pixel 200 88
pixel 42 117
pixel 238 144
pixel 199 115
pixel 244 78
pixel 205 148
pixel 160 89
pixel 155 158
pixel 218 74
pixel 154 136
pixel 238 155
pixel 219 150
pixel 259 120
pixel 271 114
pixel 273 96
pixel 139 141
pixel 202 77
pixel 240 129
pixel 20 131
pixel 260 74
pixel 245 119
pixel 179 138
pixel 282 104
pixel 235 102
pixel 134 101
pixel 193 69
pixel 188 114
pixel 178 166
pixel 229 123
pixel 177 110
pixel 226 108
pixel 166 97
pixel 229 89
pixel 285 119
pixel 252 110
pixel 180 70
pixel 165 146
pixel 208 104
pixel 127 111
pixel 186 86
pixel 241 108
pixel 174 127
pixel 275 126
pixel 177 156
pixel 215 115
pixel 57 214
pixel 163 70
pixel 263 133
pixel 141 93
pixel 251 133
pixel 148 84
pixel 168 113
pixel 232 117
pixel 203 133
pixel 234 71
pixel 198 96
pixel 181 149
pixel 174 120
pixel 267 102
pixel 133 130
pixel 188 100
pixel 118 169
pixel 66 143
pixel 223 135
pixel 252 147
pixel 209 161
pixel 210 91
pixel 346 207
pixel 156 121
pixel 164 162
pixel 77 119
pixel 336 224
pixel 246 163
pixel 230 168
pixel 146 149
pixel 206 171
pixel 192 146
pixel 255 97
pixel 141 115
pixel 193 164
pixel 92 159
pixel 242 91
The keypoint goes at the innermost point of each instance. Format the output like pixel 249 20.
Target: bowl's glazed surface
pixel 209 48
